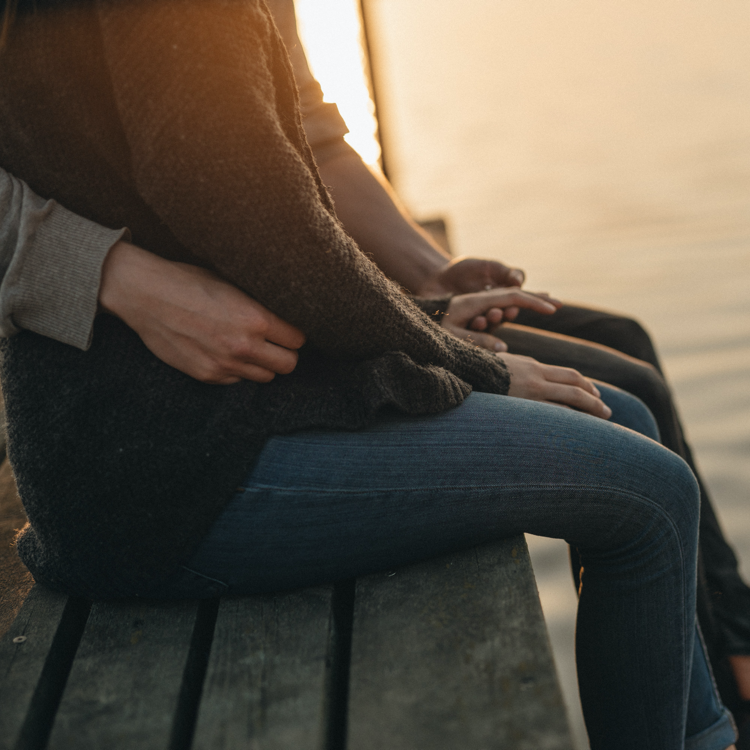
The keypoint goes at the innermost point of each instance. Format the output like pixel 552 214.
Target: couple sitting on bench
pixel 263 409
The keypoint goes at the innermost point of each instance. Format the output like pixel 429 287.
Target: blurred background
pixel 602 147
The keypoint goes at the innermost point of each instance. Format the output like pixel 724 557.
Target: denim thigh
pixel 323 505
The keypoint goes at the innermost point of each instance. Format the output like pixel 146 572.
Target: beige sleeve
pixel 50 266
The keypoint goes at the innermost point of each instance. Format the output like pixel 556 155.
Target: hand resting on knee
pixel 530 379
pixel 562 386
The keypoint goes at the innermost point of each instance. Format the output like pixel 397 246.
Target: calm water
pixel 605 148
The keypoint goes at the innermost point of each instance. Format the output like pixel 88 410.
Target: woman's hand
pixel 554 385
pixel 470 314
pixel 195 321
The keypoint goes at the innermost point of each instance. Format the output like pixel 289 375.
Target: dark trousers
pixel 618 350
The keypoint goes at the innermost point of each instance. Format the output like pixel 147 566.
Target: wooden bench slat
pixel 445 654
pixel 22 664
pixel 454 653
pixel 125 683
pixel 266 683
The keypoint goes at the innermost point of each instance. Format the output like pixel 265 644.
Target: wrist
pixel 411 261
pixel 126 274
pixel 429 284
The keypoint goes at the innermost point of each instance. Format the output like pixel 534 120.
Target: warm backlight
pixel 331 32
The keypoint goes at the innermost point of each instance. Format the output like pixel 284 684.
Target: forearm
pixel 371 213
pixel 366 205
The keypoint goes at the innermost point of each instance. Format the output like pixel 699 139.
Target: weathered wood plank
pixel 24 651
pixel 125 683
pixel 453 653
pixel 266 684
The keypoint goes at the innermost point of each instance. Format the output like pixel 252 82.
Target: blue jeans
pixel 321 506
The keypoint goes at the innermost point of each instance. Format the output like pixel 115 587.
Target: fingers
pixel 500 275
pixel 249 372
pixel 478 324
pixel 506 302
pixel 484 340
pixel 464 275
pixel 511 313
pixel 275 358
pixel 495 315
pixel 514 297
pixel 241 354
pixel 480 309
pixel 284 334
pixel 561 386
pixel 569 376
pixel 578 398
pixel 568 387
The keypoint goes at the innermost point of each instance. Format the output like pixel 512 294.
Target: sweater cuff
pixel 52 286
pixel 434 308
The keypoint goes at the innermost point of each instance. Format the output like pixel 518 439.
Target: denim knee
pixel 629 411
pixel 659 501
pixel 679 505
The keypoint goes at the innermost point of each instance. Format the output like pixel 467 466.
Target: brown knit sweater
pixel 179 119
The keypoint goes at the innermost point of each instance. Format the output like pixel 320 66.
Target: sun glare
pixel 331 33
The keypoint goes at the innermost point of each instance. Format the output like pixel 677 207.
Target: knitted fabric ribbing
pixel 179 119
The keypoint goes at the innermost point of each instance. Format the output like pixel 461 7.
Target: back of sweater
pixel 178 118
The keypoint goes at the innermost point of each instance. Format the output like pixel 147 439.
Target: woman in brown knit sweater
pixel 179 119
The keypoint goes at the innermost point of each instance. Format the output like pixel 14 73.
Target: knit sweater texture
pixel 179 119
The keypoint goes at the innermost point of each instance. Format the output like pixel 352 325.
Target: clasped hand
pixel 529 378
pixel 470 314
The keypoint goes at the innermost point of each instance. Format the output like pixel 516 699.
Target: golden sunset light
pixel 375 373
pixel 331 32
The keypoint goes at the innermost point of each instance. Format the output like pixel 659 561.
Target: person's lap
pixel 321 506
pixel 362 501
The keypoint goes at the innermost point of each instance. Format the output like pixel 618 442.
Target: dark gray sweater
pixel 180 120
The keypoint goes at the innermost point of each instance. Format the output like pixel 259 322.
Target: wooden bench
pixel 451 653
